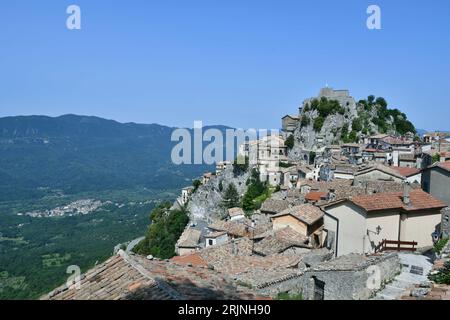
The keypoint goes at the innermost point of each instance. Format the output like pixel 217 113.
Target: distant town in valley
pixel 349 201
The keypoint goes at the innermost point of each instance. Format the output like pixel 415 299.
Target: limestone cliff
pixel 205 203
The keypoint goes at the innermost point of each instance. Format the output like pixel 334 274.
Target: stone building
pixel 412 175
pixel 289 124
pixel 185 195
pixel 349 277
pixel 359 224
pixel 436 181
pixel 216 238
pixel 222 166
pixel 274 206
pixel 305 219
pixel 236 214
pixel 188 241
pixel 377 172
pixel 266 154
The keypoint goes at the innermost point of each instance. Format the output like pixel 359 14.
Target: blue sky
pixel 242 63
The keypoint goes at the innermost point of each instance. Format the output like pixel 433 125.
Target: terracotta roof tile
pixel 279 241
pixel 234 212
pixel 132 277
pixel 316 196
pixel 274 206
pixel 240 228
pixel 193 259
pixel 215 234
pixel 305 212
pixel 420 200
pixel 382 168
pixel 444 165
pixel 189 238
pixel 406 172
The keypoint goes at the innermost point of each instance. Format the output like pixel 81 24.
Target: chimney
pixel 331 194
pixel 406 189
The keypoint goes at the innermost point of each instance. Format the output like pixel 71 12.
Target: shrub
pixel 285 165
pixel 442 276
pixel 344 130
pixel 256 188
pixel 231 197
pixel 357 125
pixel 305 121
pixel 240 165
pixel 381 102
pixel 163 233
pixel 289 143
pixel 312 157
pixel 196 184
pixel 314 104
pixel 436 158
pixel 318 123
pixel 440 245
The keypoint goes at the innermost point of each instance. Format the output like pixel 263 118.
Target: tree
pixel 318 123
pixel 353 137
pixel 305 121
pixel 221 185
pixel 312 157
pixel 240 165
pixel 196 184
pixel 371 99
pixel 357 125
pixel 381 102
pixel 256 189
pixel 163 233
pixel 231 197
pixel 344 130
pixel 436 158
pixel 289 143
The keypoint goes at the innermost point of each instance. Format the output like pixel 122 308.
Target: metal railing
pixel 395 245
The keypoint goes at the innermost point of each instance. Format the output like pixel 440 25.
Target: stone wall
pixel 292 285
pixel 445 224
pixel 350 284
pixel 436 181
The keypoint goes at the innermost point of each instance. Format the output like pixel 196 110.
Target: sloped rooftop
pixel 279 241
pixel 419 200
pixel 130 277
pixel 274 206
pixel 305 212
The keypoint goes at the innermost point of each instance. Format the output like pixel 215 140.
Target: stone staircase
pixel 415 269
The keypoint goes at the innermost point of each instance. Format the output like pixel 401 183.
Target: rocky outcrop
pixel 205 203
pixel 334 117
pixel 307 136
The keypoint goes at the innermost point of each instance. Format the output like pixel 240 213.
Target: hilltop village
pixel 346 202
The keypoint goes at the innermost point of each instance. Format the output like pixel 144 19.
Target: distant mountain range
pixel 75 154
